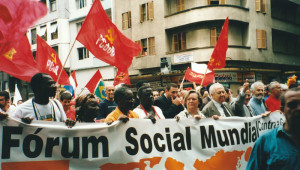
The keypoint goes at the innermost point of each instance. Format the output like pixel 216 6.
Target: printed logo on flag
pixel 9 54
pixel 104 45
pixel 51 64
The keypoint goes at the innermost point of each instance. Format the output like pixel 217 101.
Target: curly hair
pixel 81 106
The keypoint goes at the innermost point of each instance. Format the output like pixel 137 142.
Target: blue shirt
pixel 106 107
pixel 274 150
pixel 257 106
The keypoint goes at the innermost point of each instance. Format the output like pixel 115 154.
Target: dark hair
pixel 65 95
pixel 227 90
pixel 171 85
pixel 120 93
pixel 140 91
pixel 189 93
pixel 35 81
pixel 81 106
pixel 5 94
pixel 208 86
pixel 140 83
pixel 282 99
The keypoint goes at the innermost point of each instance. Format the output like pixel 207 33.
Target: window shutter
pixel 178 5
pixel 263 39
pixel 175 42
pixel 213 36
pixel 183 41
pixel 141 14
pixel 182 5
pixel 139 43
pixel 129 19
pixel 208 2
pixel 259 38
pixel 264 6
pixel 257 5
pixel 222 2
pixel 151 46
pixel 124 21
pixel 150 10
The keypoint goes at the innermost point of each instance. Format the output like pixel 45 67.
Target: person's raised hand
pixel 176 101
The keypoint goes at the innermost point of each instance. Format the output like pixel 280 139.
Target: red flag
pixel 218 57
pixel 49 62
pixel 16 16
pixel 92 84
pixel 192 76
pixel 122 77
pixel 103 39
pixel 17 60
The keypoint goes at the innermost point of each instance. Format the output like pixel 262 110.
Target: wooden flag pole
pixel 181 84
pixel 203 77
pixel 65 61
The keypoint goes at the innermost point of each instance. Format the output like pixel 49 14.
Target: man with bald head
pixel 217 106
pixel 107 105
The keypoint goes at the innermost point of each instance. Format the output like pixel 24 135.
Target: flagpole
pixel 181 84
pixel 203 77
pixel 81 92
pixel 65 61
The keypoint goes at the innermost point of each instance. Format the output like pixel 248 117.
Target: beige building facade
pixel 263 37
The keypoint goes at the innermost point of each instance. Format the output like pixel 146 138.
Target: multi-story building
pixel 263 38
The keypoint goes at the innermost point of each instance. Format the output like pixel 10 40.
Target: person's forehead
pixel 247 91
pixel 110 88
pixel 174 88
pixel 259 87
pixel 219 88
pixel 47 78
pixel 292 95
pixel 193 95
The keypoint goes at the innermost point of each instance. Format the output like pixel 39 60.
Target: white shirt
pixel 11 110
pixel 219 107
pixel 47 112
pixel 159 115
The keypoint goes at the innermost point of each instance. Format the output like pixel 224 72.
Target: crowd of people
pixel 213 101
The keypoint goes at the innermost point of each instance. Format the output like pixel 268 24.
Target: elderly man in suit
pixel 217 106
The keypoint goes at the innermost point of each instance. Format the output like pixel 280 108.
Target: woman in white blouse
pixel 192 103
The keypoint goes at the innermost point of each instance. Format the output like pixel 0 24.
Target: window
pixel 55 48
pixel 146 12
pixel 83 53
pixel 179 42
pixel 33 36
pixel 34 54
pixel 126 20
pixel 261 40
pixel 215 2
pixel 52 5
pixel 148 46
pixel 80 4
pixel 54 30
pixel 260 6
pixel 78 26
pixel 214 35
pixel 43 32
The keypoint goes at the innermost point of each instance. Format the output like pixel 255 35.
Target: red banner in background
pixel 192 76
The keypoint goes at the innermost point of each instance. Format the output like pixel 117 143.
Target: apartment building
pixel 263 38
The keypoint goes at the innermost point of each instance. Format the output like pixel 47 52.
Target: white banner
pixel 138 144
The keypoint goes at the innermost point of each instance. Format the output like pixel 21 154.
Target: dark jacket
pixel 169 109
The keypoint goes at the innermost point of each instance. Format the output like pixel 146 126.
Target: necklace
pixel 153 110
pixel 47 117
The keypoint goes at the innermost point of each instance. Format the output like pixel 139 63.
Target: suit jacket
pixel 169 109
pixel 204 102
pixel 210 109
pixel 239 108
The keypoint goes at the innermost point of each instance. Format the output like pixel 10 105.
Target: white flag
pixel 200 68
pixel 17 96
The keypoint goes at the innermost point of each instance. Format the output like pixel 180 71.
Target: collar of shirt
pixel 219 107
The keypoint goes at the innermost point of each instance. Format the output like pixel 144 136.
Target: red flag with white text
pixel 103 39
pixel 17 60
pixel 94 81
pixel 218 57
pixel 122 77
pixel 193 76
pixel 49 62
